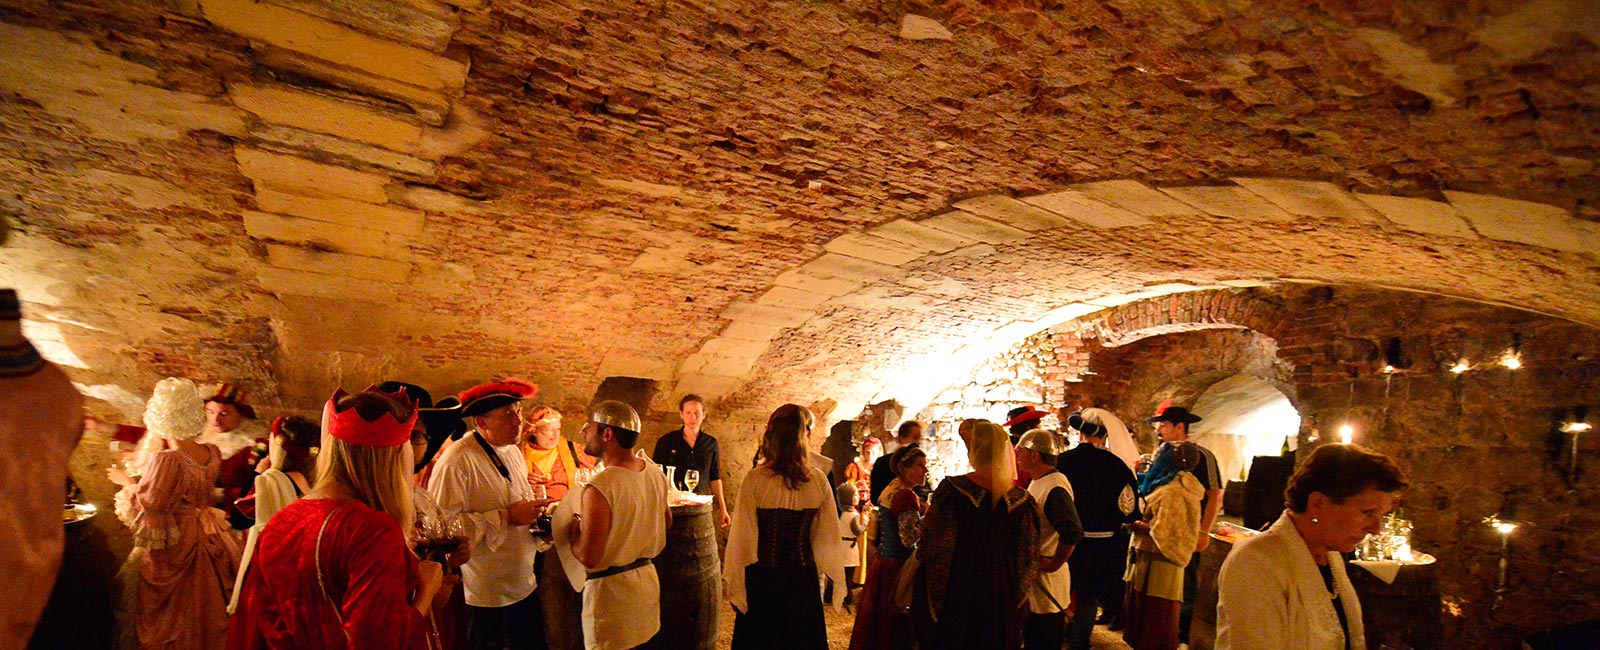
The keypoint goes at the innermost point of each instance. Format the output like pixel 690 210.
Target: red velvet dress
pixel 369 575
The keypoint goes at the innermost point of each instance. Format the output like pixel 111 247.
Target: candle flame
pixel 1346 434
pixel 1460 367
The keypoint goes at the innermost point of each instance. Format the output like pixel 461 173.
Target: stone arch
pixel 897 305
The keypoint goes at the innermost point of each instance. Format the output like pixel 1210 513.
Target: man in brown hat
pixel 1172 425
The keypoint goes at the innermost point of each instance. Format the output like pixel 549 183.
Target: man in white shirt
pixel 623 523
pixel 483 479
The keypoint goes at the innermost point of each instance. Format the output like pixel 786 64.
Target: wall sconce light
pixel 1346 433
pixel 1576 427
pixel 1461 366
pixel 1504 525
pixel 1512 357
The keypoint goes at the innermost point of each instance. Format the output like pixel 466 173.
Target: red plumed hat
pixel 483 398
pixel 386 431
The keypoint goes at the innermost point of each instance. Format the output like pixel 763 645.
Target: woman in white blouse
pixel 785 533
pixel 1287 588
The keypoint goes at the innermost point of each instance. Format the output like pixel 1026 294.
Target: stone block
pixel 624 364
pixel 335 43
pixel 356 266
pixel 1079 207
pixel 1229 201
pixel 920 236
pixel 387 218
pixel 1134 197
pixel 1309 198
pixel 300 176
pixel 734 348
pixel 308 143
pixel 975 227
pixel 799 279
pixel 710 387
pixel 843 267
pixel 423 23
pixel 782 316
pixel 427 105
pixel 303 109
pixel 920 28
pixel 343 239
pixel 303 283
pixel 872 249
pixel 1420 215
pixel 1526 222
pixel 1012 212
pixel 781 296
pixel 751 331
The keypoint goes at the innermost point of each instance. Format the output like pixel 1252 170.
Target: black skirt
pixel 785 605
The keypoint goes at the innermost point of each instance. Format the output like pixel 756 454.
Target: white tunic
pixel 622 610
pixel 465 482
pixel 1270 595
pixel 1058 582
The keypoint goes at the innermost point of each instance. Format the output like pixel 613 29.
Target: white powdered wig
pixel 175 410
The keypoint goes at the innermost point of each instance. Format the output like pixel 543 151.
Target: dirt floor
pixel 839 632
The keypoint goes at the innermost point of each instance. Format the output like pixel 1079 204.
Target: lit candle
pixel 1346 433
pixel 1460 367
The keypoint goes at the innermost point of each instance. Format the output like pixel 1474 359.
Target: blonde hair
pixel 990 454
pixel 377 476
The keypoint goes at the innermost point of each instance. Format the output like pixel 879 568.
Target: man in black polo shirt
pixel 690 448
pixel 908 434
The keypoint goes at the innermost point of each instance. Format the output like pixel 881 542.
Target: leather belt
pixel 621 568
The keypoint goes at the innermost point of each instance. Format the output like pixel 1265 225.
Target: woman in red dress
pixel 335 570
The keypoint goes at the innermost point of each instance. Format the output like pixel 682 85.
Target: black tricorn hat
pixel 442 419
pixel 1174 414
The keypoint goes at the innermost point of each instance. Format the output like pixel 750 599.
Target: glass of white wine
pixel 691 478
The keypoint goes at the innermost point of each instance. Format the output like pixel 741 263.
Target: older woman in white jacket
pixel 1287 587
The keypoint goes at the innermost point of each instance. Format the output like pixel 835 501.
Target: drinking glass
pixel 691 478
pixel 672 475
pixel 539 493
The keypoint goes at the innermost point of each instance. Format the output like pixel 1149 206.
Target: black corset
pixel 784 537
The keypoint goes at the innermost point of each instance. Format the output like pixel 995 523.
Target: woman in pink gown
pixel 184 558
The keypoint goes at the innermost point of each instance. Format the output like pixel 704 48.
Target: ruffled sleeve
pixel 742 540
pixel 825 548
pixel 147 507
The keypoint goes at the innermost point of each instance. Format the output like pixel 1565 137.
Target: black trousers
pixel 518 626
pixel 1044 631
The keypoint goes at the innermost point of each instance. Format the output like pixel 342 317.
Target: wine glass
pixel 691 478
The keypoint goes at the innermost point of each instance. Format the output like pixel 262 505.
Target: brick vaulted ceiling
pixel 765 201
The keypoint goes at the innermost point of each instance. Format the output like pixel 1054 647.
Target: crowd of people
pixel 400 521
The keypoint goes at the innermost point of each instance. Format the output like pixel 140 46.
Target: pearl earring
pixel 1314 520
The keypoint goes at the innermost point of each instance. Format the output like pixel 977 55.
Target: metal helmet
pixel 1042 441
pixel 615 414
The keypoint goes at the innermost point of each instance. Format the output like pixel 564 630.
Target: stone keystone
pixel 872 249
pixel 1079 207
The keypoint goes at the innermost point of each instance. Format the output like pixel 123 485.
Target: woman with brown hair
pixel 334 569
pixel 1287 588
pixel 784 531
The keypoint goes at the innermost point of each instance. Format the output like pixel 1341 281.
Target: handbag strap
pixel 338 613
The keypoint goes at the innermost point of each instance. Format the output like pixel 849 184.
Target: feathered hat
pixel 227 393
pixel 483 398
pixel 1024 414
pixel 386 431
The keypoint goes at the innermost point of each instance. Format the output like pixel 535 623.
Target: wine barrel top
pixel 691 509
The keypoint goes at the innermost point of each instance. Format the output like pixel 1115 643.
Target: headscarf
pixel 991 452
pixel 1118 440
pixel 1162 470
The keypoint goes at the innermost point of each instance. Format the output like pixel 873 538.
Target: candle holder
pixel 1503 525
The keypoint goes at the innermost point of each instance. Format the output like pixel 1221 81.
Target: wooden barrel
pixel 691 582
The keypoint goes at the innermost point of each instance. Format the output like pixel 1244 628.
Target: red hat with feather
pixel 483 398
